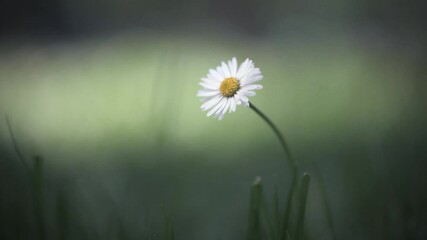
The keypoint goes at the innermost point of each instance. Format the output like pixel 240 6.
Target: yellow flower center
pixel 229 87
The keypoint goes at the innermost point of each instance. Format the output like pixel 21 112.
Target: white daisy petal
pixel 207 93
pixel 233 66
pixel 211 102
pixel 242 69
pixel 249 93
pixel 225 69
pixel 221 71
pixel 243 98
pixel 252 79
pixel 247 74
pixel 232 104
pixel 221 102
pixel 211 78
pixel 251 87
pixel 227 105
pixel 221 109
pixel 227 86
pixel 218 108
pixel 211 81
pixel 208 86
pixel 216 75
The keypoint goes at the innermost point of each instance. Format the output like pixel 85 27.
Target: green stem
pixel 303 194
pixel 15 145
pixel 286 217
pixel 292 165
pixel 279 135
pixel 254 223
pixel 324 197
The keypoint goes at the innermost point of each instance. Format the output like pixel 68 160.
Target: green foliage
pixel 289 203
pixel 259 208
pixel 302 203
pixel 38 197
pixel 254 219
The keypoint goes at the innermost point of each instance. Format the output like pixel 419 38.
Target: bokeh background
pixel 105 93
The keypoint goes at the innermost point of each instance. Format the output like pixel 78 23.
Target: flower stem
pixel 279 135
pixel 293 168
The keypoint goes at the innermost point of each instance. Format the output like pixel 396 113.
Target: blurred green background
pixel 105 93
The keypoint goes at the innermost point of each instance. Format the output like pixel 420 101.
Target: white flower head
pixel 228 86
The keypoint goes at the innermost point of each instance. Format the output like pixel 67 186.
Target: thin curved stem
pixel 291 162
pixel 293 168
pixel 15 145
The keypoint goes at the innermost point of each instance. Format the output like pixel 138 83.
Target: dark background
pixel 104 92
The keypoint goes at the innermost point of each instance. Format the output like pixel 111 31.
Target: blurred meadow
pixel 101 101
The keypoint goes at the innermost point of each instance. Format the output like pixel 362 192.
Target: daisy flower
pixel 228 86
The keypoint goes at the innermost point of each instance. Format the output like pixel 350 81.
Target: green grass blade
pixel 288 208
pixel 254 223
pixel 288 236
pixel 16 146
pixel 62 215
pixel 325 202
pixel 276 206
pixel 147 233
pixel 169 228
pixel 272 229
pixel 121 231
pixel 38 199
pixel 170 232
pixel 302 201
pixel 277 211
